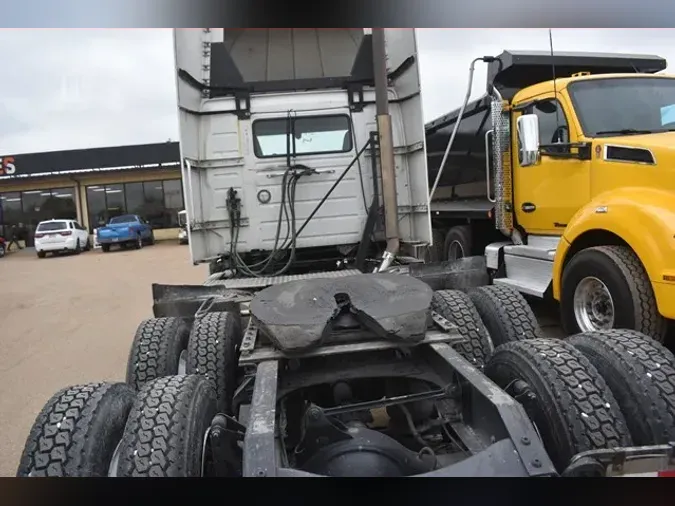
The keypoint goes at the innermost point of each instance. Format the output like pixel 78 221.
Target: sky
pixel 72 89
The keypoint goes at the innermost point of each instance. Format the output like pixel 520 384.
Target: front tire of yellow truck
pixel 606 287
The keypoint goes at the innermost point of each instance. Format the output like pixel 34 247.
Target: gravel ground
pixel 71 319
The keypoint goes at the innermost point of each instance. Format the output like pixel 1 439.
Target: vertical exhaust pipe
pixel 386 143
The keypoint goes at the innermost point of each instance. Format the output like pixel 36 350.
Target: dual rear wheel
pixel 167 346
pixel 594 390
pixel 155 424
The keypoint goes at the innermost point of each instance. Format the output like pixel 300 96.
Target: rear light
pixel 67 232
pixel 670 473
pixel 38 236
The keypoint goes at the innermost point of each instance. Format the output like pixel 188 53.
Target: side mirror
pixel 528 139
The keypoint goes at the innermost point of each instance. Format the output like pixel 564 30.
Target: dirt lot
pixel 69 320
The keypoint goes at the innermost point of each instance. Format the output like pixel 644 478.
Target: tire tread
pixel 149 353
pixel 456 306
pixel 583 402
pixel 647 368
pixel 154 438
pixel 506 314
pixel 57 443
pixel 212 352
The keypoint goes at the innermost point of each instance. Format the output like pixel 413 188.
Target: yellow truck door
pixel 547 195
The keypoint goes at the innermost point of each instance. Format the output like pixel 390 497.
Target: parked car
pixel 128 230
pixel 60 236
pixel 182 223
pixel 3 247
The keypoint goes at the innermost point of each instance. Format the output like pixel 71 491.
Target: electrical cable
pixel 288 197
pixel 363 188
pixel 237 263
pixel 289 184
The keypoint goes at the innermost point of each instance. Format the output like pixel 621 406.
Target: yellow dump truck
pixel 563 176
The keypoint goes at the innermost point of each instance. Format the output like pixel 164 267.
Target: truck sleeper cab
pixel 577 175
pixel 279 140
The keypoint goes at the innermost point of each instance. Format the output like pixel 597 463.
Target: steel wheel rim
pixel 455 250
pixel 114 462
pixel 593 305
pixel 182 363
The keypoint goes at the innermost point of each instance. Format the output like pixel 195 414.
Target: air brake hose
pixel 289 242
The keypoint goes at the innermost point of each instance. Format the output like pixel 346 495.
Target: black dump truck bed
pixel 509 73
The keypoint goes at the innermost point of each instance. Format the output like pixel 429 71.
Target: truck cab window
pixel 553 127
pixel 310 135
pixel 647 105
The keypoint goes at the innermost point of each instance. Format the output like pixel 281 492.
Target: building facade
pixel 92 186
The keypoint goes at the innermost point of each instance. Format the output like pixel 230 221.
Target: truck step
pixel 259 283
pixel 529 285
pixel 529 267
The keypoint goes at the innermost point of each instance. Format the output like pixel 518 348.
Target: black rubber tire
pixel 151 241
pixel 641 374
pixel 77 431
pixel 41 254
pixel 156 349
pixel 87 245
pixel 105 248
pixel 213 351
pixel 574 410
pixel 462 235
pixel 2 250
pixel 456 306
pixel 626 279
pixel 139 242
pixel 506 314
pixel 166 427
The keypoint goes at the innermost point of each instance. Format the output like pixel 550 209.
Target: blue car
pixel 128 230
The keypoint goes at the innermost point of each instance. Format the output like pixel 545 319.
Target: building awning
pixel 85 161
pixel 83 172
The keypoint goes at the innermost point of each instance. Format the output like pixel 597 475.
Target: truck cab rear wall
pixel 333 110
